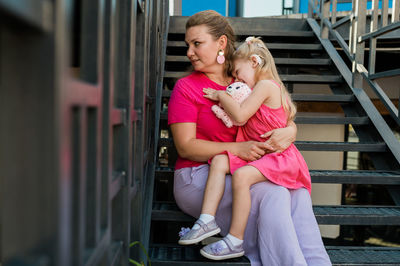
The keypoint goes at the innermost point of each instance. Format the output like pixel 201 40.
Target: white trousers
pixel 281 229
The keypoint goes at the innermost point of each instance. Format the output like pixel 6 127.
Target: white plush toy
pixel 239 92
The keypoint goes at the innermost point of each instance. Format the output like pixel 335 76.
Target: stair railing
pixel 326 11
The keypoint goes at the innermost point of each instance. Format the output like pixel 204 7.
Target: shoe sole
pixel 223 257
pixel 200 238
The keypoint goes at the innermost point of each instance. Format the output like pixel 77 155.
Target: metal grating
pixel 364 256
pixel 178 255
pixel 354 215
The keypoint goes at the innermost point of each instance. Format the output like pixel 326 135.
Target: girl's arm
pixel 242 112
pixel 189 147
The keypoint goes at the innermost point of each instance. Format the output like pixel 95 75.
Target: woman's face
pixel 202 48
pixel 244 71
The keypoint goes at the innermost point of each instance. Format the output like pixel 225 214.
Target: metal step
pixel 302 119
pixel 187 256
pixel 320 119
pixel 278 61
pixel 318 145
pixel 357 256
pixel 331 176
pixel 355 177
pixel 341 146
pixel 343 98
pixel 298 97
pixel 271 46
pixel 256 32
pixel 298 79
pixel 339 255
pixel 342 214
pixel 252 26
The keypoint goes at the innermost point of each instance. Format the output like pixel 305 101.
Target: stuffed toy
pixel 239 92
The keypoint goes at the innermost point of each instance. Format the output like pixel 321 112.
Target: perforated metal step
pixel 278 61
pixel 320 119
pixel 188 256
pixel 298 79
pixel 179 255
pixel 318 145
pixel 335 176
pixel 343 214
pixel 364 255
pixel 271 46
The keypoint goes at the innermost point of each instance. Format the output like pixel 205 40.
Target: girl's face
pixel 202 48
pixel 245 71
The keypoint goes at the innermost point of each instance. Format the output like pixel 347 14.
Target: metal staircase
pixel 302 58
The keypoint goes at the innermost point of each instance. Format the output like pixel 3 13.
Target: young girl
pixel 269 106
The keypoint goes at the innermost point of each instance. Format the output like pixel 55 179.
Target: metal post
pixel 372 41
pixel 177 7
pixel 384 16
pixel 334 9
pixel 325 6
pixel 360 20
pixel 395 10
pixel 310 10
pixel 352 28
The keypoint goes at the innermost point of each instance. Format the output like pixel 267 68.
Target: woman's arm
pixel 281 138
pixel 189 147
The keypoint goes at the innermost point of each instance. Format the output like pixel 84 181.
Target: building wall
pixel 390 85
pixel 322 194
pixel 340 7
pixel 190 7
pixel 224 7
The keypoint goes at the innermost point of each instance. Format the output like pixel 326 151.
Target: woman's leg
pixel 189 184
pixel 307 229
pixel 259 246
pixel 242 180
pixel 277 239
pixel 215 184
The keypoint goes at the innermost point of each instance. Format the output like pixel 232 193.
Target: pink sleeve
pixel 182 105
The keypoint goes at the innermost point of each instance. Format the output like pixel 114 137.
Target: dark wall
pixel 78 90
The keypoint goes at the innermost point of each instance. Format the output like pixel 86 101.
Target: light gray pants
pixel 281 230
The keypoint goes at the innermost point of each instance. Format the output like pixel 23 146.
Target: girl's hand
pixel 279 139
pixel 211 94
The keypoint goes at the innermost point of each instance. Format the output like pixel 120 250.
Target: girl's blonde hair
pixel 255 47
pixel 217 25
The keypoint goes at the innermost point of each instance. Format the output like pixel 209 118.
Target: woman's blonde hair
pixel 254 47
pixel 217 25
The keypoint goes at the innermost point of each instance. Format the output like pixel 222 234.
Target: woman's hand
pixel 211 94
pixel 280 139
pixel 250 150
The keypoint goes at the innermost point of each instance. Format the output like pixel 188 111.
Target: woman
pixel 281 229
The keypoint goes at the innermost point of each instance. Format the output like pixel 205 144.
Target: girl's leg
pixel 307 229
pixel 206 225
pixel 215 184
pixel 189 186
pixel 242 180
pixel 231 245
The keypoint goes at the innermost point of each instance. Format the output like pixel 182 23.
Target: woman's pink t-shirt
pixel 188 105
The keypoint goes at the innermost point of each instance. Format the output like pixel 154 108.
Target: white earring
pixel 258 58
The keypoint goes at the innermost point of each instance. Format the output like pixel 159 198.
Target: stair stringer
pixel 376 118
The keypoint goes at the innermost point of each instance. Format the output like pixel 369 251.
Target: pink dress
pixel 287 168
